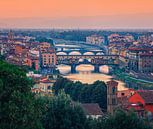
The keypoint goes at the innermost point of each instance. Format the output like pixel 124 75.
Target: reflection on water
pixel 85 74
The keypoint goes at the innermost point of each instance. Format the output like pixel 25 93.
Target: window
pixel 113 101
pixel 113 90
pixel 122 94
pixel 108 101
pixel 49 87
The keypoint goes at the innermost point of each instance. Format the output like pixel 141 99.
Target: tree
pixel 123 120
pixel 60 84
pixel 99 94
pixel 17 103
pixel 84 93
pixel 62 113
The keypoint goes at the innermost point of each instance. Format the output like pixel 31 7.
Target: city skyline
pixel 76 14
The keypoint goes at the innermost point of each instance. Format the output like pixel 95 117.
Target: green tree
pixel 99 94
pixel 84 93
pixel 123 120
pixel 60 84
pixel 62 113
pixel 17 103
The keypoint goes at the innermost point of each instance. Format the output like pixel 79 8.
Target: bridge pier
pixel 96 68
pixel 73 68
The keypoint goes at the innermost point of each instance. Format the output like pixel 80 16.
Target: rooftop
pixel 92 109
pixel 147 95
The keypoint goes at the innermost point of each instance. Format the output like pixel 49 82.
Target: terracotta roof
pixel 92 109
pixel 45 81
pixel 140 49
pixel 147 95
pixel 146 54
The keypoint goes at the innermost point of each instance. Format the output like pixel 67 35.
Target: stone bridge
pixel 95 60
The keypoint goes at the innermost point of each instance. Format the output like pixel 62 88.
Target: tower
pixel 111 96
pixel 10 36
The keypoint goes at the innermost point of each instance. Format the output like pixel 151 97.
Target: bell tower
pixel 10 36
pixel 112 96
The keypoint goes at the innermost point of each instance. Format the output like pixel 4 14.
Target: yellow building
pixel 43 86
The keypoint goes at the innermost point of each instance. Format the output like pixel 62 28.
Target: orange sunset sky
pixel 76 13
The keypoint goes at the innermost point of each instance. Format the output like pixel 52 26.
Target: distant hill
pixel 138 21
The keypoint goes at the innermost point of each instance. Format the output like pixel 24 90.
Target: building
pixel 146 63
pixel 92 110
pixel 48 56
pixel 48 59
pixel 19 49
pixel 145 39
pixel 140 59
pixel 125 93
pixel 123 61
pixel 114 50
pixel 95 40
pixel 112 96
pixel 117 39
pixel 2 49
pixel 43 86
pixel 10 37
pixel 32 62
pixel 142 102
pixel 122 98
pixel 44 45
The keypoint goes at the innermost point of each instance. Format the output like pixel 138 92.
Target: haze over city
pixel 76 14
pixel 76 64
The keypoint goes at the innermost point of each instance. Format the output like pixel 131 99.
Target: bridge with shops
pixel 95 60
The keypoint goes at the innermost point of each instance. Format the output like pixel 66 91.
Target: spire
pixel 10 36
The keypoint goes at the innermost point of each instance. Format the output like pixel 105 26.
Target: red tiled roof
pixel 138 49
pixel 45 81
pixel 92 109
pixel 147 95
pixel 146 54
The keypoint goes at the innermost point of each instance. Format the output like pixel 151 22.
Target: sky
pixel 76 13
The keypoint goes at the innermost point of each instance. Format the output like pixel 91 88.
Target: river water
pixel 85 75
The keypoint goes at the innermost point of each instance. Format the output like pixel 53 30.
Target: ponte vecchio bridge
pixel 95 60
pixel 74 54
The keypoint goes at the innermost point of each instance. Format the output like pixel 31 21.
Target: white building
pixel 94 39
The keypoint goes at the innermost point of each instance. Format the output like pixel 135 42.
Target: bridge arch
pixel 104 69
pixel 88 53
pixel 64 69
pixel 85 68
pixel 100 53
pixel 84 61
pixel 61 53
pixel 75 53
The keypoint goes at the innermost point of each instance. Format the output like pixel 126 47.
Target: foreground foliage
pixel 17 105
pixel 84 93
pixel 62 113
pixel 122 120
pixel 20 109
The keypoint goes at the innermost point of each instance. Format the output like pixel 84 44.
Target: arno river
pixel 85 75
pixel 84 72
